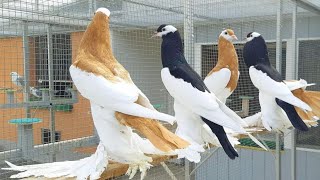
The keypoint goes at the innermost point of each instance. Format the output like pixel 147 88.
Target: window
pixel 46 136
pixel 62 59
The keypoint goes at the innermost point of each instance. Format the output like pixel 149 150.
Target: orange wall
pixel 74 124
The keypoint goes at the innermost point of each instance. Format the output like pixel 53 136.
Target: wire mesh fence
pixel 39 41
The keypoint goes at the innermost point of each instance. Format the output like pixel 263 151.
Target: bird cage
pixel 45 119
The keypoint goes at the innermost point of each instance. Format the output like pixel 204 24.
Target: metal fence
pixel 39 41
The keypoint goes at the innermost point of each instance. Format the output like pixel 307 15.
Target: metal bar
pixel 51 86
pixel 40 17
pixel 58 146
pixel 186 169
pixel 308 6
pixel 170 173
pixel 39 103
pixel 295 59
pixel 278 157
pixel 90 11
pixel 25 132
pixel 278 38
pixel 203 161
pixel 170 9
pixel 278 66
pixel 188 52
pixel 188 32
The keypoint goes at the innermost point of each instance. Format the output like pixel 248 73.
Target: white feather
pixel 218 81
pixel 293 85
pixel 201 103
pixel 275 89
pixel 92 167
pixel 119 96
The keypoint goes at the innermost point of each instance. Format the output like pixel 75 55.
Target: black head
pixel 164 29
pixel 252 35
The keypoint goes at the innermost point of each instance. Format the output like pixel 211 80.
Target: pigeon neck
pixel 227 55
pixel 96 39
pixel 171 50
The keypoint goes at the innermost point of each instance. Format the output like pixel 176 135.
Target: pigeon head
pixel 164 29
pixel 104 11
pixel 252 35
pixel 15 74
pixel 229 35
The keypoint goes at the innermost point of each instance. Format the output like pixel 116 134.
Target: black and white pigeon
pixel 198 112
pixel 276 100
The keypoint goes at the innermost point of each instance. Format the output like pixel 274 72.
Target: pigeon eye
pixel 163 29
pixel 225 33
pixel 251 35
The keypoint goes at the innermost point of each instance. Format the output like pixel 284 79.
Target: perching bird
pixel 277 101
pixel 17 79
pixel 310 118
pixel 117 107
pixel 198 112
pixel 222 80
pixel 36 92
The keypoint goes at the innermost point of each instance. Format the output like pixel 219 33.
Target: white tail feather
pixel 92 167
pixel 140 111
pixel 257 142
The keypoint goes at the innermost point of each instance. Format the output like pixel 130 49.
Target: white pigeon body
pixel 273 117
pixel 278 121
pixel 194 130
pixel 203 104
pixel 217 83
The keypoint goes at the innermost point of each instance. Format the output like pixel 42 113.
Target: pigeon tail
pixel 292 114
pixel 92 167
pixel 222 137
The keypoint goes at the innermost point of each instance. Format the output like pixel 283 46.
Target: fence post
pixel 295 60
pixel 51 87
pixel 188 52
pixel 278 66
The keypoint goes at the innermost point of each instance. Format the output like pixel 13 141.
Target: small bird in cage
pixel 17 79
pixel 283 103
pixel 117 106
pixel 35 92
pixel 201 116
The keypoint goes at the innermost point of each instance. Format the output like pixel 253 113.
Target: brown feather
pixel 227 58
pixel 95 56
pixel 312 98
pixel 158 135
pixel 95 53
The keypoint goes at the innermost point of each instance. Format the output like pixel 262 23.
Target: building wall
pixel 74 124
pixel 258 165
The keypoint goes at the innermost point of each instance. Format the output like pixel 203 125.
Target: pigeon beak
pixel 234 37
pixel 156 34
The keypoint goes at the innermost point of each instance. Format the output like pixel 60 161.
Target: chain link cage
pixel 45 119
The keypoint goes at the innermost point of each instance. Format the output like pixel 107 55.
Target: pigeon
pixel 17 79
pixel 278 104
pixel 200 115
pixel 35 92
pixel 118 106
pixel 298 89
pixel 222 80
